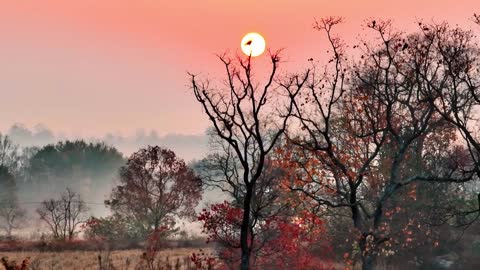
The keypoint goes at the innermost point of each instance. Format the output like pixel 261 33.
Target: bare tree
pixel 11 215
pixel 50 212
pixel 241 116
pixel 373 128
pixel 63 215
pixel 74 209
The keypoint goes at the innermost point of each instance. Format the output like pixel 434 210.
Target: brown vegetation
pixel 115 260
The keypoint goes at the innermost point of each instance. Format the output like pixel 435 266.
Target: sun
pixel 253 44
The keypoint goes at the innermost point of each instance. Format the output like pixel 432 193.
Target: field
pixel 120 260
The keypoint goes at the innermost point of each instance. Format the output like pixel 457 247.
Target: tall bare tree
pixel 241 114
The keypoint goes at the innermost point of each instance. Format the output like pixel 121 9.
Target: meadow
pixel 178 259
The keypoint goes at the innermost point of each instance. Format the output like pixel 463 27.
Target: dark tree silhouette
pixel 88 168
pixel 221 170
pixel 241 115
pixel 370 131
pixel 63 215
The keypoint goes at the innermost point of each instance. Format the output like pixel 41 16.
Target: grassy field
pixel 121 260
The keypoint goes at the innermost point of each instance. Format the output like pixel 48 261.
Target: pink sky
pixel 94 66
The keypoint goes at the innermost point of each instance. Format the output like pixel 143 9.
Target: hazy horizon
pixel 307 134
pixel 188 146
pixel 90 68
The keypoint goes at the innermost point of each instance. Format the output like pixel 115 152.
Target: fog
pixel 188 147
pixel 95 185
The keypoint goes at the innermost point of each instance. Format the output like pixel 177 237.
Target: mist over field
pixel 188 147
pixel 95 187
pixel 250 135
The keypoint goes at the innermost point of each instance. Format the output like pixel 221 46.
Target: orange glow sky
pixel 88 67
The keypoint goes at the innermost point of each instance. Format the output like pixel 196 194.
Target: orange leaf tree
pixel 370 128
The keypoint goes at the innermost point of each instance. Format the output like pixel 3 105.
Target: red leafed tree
pixel 282 242
pixel 275 215
pixel 374 134
pixel 155 188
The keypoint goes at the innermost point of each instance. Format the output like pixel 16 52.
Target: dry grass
pixel 89 260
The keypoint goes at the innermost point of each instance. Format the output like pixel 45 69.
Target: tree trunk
pixel 368 262
pixel 9 229
pixel 368 258
pixel 245 263
pixel 156 224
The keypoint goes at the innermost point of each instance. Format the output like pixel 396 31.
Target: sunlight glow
pixel 253 44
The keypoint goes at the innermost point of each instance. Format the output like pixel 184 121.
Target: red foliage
pixel 279 243
pixel 154 241
pixel 156 187
pixel 203 261
pixel 221 223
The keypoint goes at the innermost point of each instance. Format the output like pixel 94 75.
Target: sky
pixel 93 67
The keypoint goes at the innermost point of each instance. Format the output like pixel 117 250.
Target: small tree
pixel 64 215
pixel 155 188
pixel 11 215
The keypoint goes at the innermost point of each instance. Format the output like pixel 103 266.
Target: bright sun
pixel 253 44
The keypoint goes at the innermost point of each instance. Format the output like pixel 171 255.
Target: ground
pixel 89 260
